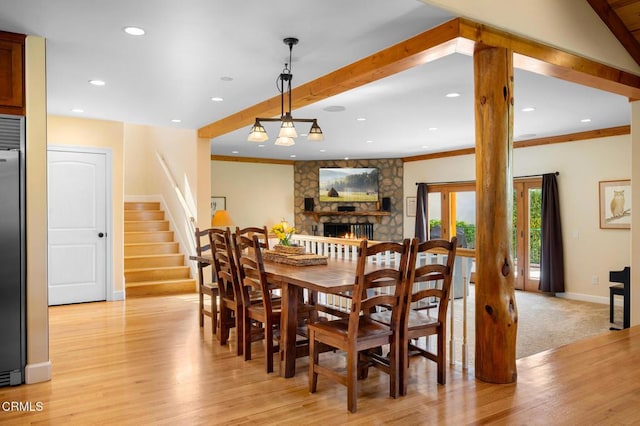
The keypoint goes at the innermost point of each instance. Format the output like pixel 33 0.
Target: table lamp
pixel 221 219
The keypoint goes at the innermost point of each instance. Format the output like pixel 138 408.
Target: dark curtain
pixel 552 258
pixel 421 213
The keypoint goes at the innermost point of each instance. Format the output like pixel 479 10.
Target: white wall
pixel 257 194
pixel 589 250
pixel 145 178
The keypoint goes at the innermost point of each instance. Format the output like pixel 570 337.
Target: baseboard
pixel 585 298
pixel 37 373
pixel 117 295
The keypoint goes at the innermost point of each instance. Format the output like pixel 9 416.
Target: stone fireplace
pixel 366 220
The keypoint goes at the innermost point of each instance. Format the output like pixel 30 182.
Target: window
pixel 452 209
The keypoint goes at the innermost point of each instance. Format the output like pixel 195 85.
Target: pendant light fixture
pixel 287 123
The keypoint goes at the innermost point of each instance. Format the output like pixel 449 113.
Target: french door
pixel 527 233
pixel 452 211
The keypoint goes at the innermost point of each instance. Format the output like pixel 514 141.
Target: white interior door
pixel 77 227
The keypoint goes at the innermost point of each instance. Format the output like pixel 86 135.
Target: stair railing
pixel 186 210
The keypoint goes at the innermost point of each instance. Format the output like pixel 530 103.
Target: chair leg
pixel 403 366
pixel 394 368
pixel 247 338
pixel 313 360
pixel 610 305
pixel 201 308
pixel 352 380
pixel 225 318
pixel 268 349
pixel 442 357
pixel 239 332
pixel 214 311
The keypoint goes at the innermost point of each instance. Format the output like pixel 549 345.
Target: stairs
pixel 153 264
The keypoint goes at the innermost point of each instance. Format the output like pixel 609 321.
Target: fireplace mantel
pixel 376 213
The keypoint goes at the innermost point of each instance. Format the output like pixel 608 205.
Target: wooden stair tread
pixel 156 268
pixel 152 243
pixel 164 255
pixel 142 205
pixel 153 288
pixel 146 232
pixel 159 282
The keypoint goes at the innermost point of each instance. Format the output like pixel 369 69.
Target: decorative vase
pixel 289 249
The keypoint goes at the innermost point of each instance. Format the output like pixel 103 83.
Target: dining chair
pixel 206 287
pixel 261 232
pixel 428 288
pixel 359 331
pixel 262 317
pixel 230 305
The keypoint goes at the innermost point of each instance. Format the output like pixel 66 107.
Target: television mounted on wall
pixel 348 184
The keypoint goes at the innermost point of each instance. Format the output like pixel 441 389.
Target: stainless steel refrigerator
pixel 12 251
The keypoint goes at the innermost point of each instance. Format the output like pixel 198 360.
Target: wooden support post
pixel 496 312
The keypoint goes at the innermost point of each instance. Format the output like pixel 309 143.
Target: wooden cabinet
pixel 12 73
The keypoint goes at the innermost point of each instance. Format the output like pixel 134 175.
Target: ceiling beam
pixel 618 28
pixel 547 140
pixel 456 36
pixel 552 62
pixel 425 47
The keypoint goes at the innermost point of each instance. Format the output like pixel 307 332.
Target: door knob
pixel 100 234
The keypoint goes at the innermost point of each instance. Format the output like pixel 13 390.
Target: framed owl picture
pixel 615 204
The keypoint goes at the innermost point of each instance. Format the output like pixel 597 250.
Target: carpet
pixel 544 322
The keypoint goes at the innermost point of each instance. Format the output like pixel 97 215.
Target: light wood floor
pixel 146 361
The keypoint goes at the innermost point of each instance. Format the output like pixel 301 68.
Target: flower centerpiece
pixel 284 232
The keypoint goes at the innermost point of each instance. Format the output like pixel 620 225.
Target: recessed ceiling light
pixel 369 141
pixel 134 31
pixel 261 146
pixel 217 99
pixel 452 95
pixel 176 120
pixel 346 158
pixel 432 129
pixel 424 147
pixel 585 120
pixel 97 82
pixel 235 152
pixel 528 109
pixel 292 156
pixel 361 119
pixel 78 110
pixel 323 150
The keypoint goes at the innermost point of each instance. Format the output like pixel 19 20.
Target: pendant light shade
pixel 285 141
pixel 287 129
pixel 258 133
pixel 315 133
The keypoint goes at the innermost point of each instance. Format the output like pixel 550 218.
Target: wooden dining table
pixel 337 276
